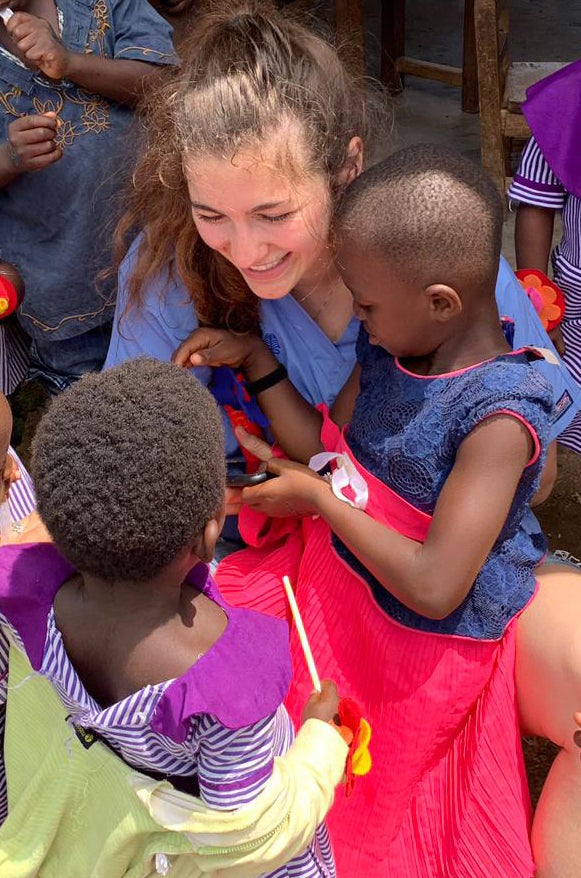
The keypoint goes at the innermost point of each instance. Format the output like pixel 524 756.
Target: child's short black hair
pixel 129 467
pixel 429 210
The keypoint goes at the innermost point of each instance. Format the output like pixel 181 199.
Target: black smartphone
pixel 245 480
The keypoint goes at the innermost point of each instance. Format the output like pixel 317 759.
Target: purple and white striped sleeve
pixel 4 653
pixel 21 499
pixel 234 764
pixel 534 183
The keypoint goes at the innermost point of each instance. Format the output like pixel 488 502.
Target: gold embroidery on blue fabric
pixel 51 105
pixel 95 116
pixel 80 317
pixel 5 101
pixel 145 51
pixel 101 14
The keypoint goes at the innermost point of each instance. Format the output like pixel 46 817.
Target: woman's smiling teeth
pixel 267 265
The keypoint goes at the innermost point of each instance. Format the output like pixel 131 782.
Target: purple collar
pixel 553 111
pixel 241 680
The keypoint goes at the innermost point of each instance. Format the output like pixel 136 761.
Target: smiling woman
pixel 262 222
pixel 250 146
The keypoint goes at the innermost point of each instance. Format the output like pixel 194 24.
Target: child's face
pixel 394 312
pixel 273 228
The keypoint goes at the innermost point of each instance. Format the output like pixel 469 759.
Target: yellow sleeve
pixel 275 827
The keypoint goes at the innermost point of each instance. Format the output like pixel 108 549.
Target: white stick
pixel 302 634
pixel 6 14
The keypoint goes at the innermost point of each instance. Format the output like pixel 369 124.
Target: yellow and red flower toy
pixel 545 295
pixel 356 732
pixel 11 289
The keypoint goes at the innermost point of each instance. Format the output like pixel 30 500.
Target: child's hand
pixel 323 705
pixel 10 474
pixel 31 141
pixel 293 493
pixel 38 44
pixel 216 347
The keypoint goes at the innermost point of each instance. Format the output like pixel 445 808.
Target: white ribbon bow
pixel 344 475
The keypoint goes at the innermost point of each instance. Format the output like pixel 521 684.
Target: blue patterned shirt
pixel 54 223
pixel 406 430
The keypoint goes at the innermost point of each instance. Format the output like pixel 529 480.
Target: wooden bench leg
pixel 469 68
pixel 392 42
pixel 350 30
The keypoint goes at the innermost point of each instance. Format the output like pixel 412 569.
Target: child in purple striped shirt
pixel 126 622
pixel 548 181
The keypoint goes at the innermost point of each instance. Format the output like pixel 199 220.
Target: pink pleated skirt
pixel 447 796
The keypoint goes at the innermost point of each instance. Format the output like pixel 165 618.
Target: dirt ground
pixel 560 515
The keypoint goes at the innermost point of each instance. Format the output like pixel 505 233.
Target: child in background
pixel 13 342
pixel 548 181
pixel 70 76
pixel 19 521
pixel 144 654
pixel 411 560
pixel 179 14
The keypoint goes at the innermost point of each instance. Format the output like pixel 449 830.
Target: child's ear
pixel 206 545
pixel 353 163
pixel 444 302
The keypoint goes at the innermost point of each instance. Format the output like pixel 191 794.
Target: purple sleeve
pixel 235 764
pixel 534 182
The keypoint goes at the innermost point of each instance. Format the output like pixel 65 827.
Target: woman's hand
pixel 217 347
pixel 323 705
pixel 293 493
pixel 39 46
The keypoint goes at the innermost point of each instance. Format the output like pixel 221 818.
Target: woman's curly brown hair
pixel 247 69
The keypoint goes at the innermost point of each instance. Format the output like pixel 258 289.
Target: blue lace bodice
pixel 406 430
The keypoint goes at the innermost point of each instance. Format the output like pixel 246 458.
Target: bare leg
pixel 548 678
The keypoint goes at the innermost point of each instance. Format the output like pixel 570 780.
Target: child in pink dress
pixel 410 560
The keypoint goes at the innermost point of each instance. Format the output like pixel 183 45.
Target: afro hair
pixel 129 467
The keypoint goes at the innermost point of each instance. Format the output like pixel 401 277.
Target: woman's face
pixel 271 227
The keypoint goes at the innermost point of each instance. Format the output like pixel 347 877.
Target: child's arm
pixel 272 829
pixel 533 244
pixel 118 79
pixel 434 577
pixel 295 424
pixel 234 764
pixel 534 236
